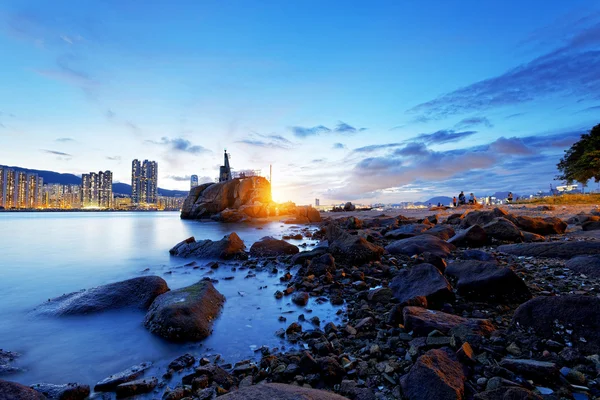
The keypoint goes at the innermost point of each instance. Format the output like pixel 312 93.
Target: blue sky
pixel 364 101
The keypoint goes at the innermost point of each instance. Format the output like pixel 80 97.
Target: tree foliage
pixel 582 161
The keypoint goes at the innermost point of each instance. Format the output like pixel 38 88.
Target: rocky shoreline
pixel 484 304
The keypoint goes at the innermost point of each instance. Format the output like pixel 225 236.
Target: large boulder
pixel 560 249
pixel 230 215
pixel 481 217
pixel 480 280
pixel 322 265
pixel 419 245
pixel 308 212
pixel 270 247
pixel 185 314
pixel 473 236
pixel 134 293
pixel 435 375
pixel 228 248
pixel 280 391
pixel 541 226
pixel 351 248
pixel 422 280
pixel 443 232
pixel 503 230
pixel 406 231
pixel 588 265
pixel 16 391
pixel 206 200
pixel 572 317
pixel 423 321
pixel 68 391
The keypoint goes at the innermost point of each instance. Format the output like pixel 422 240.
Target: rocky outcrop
pixel 250 195
pixel 110 383
pixel 572 317
pixel 69 391
pixel 560 249
pixel 271 247
pixel 422 280
pixel 185 314
pixel 231 247
pixel 16 391
pixel 6 360
pixel 487 281
pixel 135 293
pixel 280 391
pixel 435 375
pixel 419 245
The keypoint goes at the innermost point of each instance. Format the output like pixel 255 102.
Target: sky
pixel 381 101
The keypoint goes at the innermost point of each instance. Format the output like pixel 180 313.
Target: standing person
pixel 454 201
pixel 510 197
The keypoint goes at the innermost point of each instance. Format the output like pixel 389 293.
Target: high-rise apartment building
pixel 21 193
pixel 193 181
pixel 144 182
pixel 96 189
pixel 32 191
pixel 2 188
pixel 9 188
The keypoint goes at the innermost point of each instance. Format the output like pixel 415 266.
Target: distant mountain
pixel 71 179
pixel 445 200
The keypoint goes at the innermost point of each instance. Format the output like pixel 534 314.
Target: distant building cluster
pixel 144 182
pixel 19 189
pixel 96 190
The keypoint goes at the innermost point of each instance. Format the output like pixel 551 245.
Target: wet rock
pixel 231 247
pixel 481 217
pixel 178 393
pixel 560 249
pixel 16 391
pixel 6 358
pixel 422 280
pixel 136 387
pixel 331 371
pixel 280 391
pixel 588 265
pixel 380 295
pixel 487 281
pixel 300 298
pixel 69 391
pixel 419 245
pixel 271 247
pixel 503 230
pixel 181 362
pixel 474 236
pixel 443 232
pixel 407 231
pixel 132 293
pixel 321 265
pixel 185 314
pixel 538 371
pixel 109 384
pixel 303 256
pixel 435 375
pixel 423 321
pixel 551 317
pixel 350 248
pixel 541 226
pixel 294 327
pixel 508 393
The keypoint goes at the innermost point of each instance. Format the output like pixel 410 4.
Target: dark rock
pixel 229 215
pixel 380 295
pixel 560 249
pixel 435 375
pixel 303 256
pixel 185 314
pixel 109 384
pixel 529 237
pixel 406 231
pixel 69 391
pixel 331 371
pixel 508 393
pixel 6 358
pixel 300 298
pixel 539 371
pixel 423 321
pixel 349 207
pixel 271 247
pixel 481 217
pixel 591 226
pixel 350 248
pixel 321 265
pixel 280 391
pixel 541 226
pixel 214 372
pixel 181 362
pixel 136 387
pixel 419 245
pixel 474 236
pixel 444 232
pixel 588 265
pixel 135 293
pixel 477 255
pixel 503 230
pixel 422 280
pixel 230 247
pixel 578 313
pixel 488 281
pixel 16 391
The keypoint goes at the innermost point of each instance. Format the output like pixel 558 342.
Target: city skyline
pixel 382 103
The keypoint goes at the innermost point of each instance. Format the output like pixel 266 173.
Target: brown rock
pixel 435 376
pixel 423 321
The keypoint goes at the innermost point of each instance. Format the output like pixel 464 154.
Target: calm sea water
pixel 43 255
